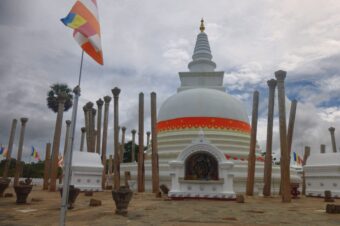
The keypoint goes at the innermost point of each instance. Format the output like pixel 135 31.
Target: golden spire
pixel 202 28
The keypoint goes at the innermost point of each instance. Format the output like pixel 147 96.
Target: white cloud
pixel 146 43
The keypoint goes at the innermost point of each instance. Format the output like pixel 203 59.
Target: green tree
pixel 127 153
pixel 55 92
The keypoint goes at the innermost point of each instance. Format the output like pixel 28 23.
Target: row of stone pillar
pixel 140 164
pixel 285 139
pixel 119 147
pixel 18 165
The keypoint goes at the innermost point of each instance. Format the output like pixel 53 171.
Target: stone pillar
pixel 88 122
pixel 116 171
pixel 332 130
pixel 122 147
pixel 322 148
pixel 100 103
pixel 148 139
pixel 284 162
pixel 18 165
pixel 56 141
pixel 107 100
pixel 82 138
pixel 291 126
pixel 47 165
pixel 154 147
pixel 141 170
pixel 10 146
pixel 252 148
pixel 94 132
pixel 110 164
pixel 68 123
pixel 133 145
pixel 267 177
pixel 305 157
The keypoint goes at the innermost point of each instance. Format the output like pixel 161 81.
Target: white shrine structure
pixel 204 136
pixel 322 172
pixel 87 171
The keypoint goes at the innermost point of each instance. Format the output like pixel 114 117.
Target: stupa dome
pixel 202 102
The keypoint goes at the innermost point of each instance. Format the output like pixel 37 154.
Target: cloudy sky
pixel 146 43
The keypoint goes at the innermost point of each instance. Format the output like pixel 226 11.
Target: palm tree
pixel 52 96
pixel 59 99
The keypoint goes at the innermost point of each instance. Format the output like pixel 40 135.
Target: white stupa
pixel 201 107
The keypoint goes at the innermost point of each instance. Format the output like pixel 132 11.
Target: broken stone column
pixel 47 165
pixel 18 165
pixel 68 124
pixel 100 103
pixel 322 148
pixel 10 146
pixel 252 148
pixel 107 100
pixel 133 145
pixel 328 196
pixel 291 126
pixel 267 177
pixel 332 208
pixel 127 177
pixel 116 171
pixel 332 130
pixel 148 139
pixel 284 162
pixel 154 147
pixel 141 170
pixel 109 174
pixel 305 157
pixel 122 147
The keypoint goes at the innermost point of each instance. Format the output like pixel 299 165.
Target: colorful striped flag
pixel 35 154
pixel 84 19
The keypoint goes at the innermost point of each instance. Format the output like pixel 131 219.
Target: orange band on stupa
pixel 203 122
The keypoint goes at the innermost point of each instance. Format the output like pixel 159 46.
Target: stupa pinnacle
pixel 201 59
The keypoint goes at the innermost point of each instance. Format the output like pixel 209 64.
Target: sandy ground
pixel 146 209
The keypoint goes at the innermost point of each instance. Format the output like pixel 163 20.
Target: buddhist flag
pixel 83 18
pixel 35 154
pixel 294 155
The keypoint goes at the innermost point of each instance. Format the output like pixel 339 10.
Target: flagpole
pixel 68 155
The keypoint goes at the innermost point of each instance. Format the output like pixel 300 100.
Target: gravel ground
pixel 146 209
